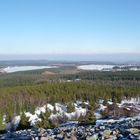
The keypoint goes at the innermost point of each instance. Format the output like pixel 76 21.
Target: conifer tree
pixel 24 122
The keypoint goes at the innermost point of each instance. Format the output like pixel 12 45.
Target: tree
pixel 89 118
pixel 105 113
pixel 45 121
pixel 70 107
pixel 24 122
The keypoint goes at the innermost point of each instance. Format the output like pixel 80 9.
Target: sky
pixel 69 27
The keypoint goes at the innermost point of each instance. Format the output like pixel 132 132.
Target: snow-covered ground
pixel 101 121
pixel 25 68
pixel 105 67
pixel 131 104
pixel 61 112
pixel 96 67
pixel 131 101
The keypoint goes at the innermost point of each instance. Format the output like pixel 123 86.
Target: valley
pixel 61 101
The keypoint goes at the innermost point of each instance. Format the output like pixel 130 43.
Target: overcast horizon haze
pixel 116 58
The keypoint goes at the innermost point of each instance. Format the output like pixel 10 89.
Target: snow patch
pixel 33 118
pixel 40 110
pixel 25 68
pixel 16 121
pixel 110 103
pixel 97 115
pixel 102 107
pixel 60 108
pixel 96 67
pixel 50 107
pixel 131 101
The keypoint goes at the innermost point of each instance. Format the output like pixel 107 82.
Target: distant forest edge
pixel 65 73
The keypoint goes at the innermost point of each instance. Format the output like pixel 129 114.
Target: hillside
pixel 49 97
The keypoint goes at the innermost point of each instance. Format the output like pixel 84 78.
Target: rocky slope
pixel 118 126
pixel 123 129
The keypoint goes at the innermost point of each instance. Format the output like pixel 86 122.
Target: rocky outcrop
pixel 107 129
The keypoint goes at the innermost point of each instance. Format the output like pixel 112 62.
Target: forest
pixel 24 91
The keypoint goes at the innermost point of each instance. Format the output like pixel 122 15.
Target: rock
pixel 60 136
pixel 35 138
pixel 92 138
pixel 106 133
pixel 46 138
pixel 70 138
pixel 121 130
pixel 134 131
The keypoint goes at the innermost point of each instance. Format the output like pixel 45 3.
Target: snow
pixel 78 102
pixel 101 101
pixel 70 116
pixel 108 67
pixel 69 80
pixel 50 107
pixel 101 121
pixel 40 110
pixel 86 103
pixel 68 124
pixel 102 107
pixel 129 104
pixel 25 68
pixel 134 69
pixel 96 67
pixel 119 105
pixel 33 118
pixel 61 112
pixel 97 115
pixel 128 108
pixel 60 108
pixel 131 101
pixel 110 103
pixel 16 121
pixel 4 119
pixel 80 112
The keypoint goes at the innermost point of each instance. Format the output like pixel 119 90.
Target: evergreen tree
pixel 89 118
pixel 24 122
pixel 45 122
pixel 70 108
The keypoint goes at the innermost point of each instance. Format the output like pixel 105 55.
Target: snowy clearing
pixel 96 67
pixel 25 68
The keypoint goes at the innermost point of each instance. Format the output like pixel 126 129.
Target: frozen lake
pixel 25 68
pixel 96 67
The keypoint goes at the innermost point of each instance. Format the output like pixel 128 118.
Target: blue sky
pixel 69 27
